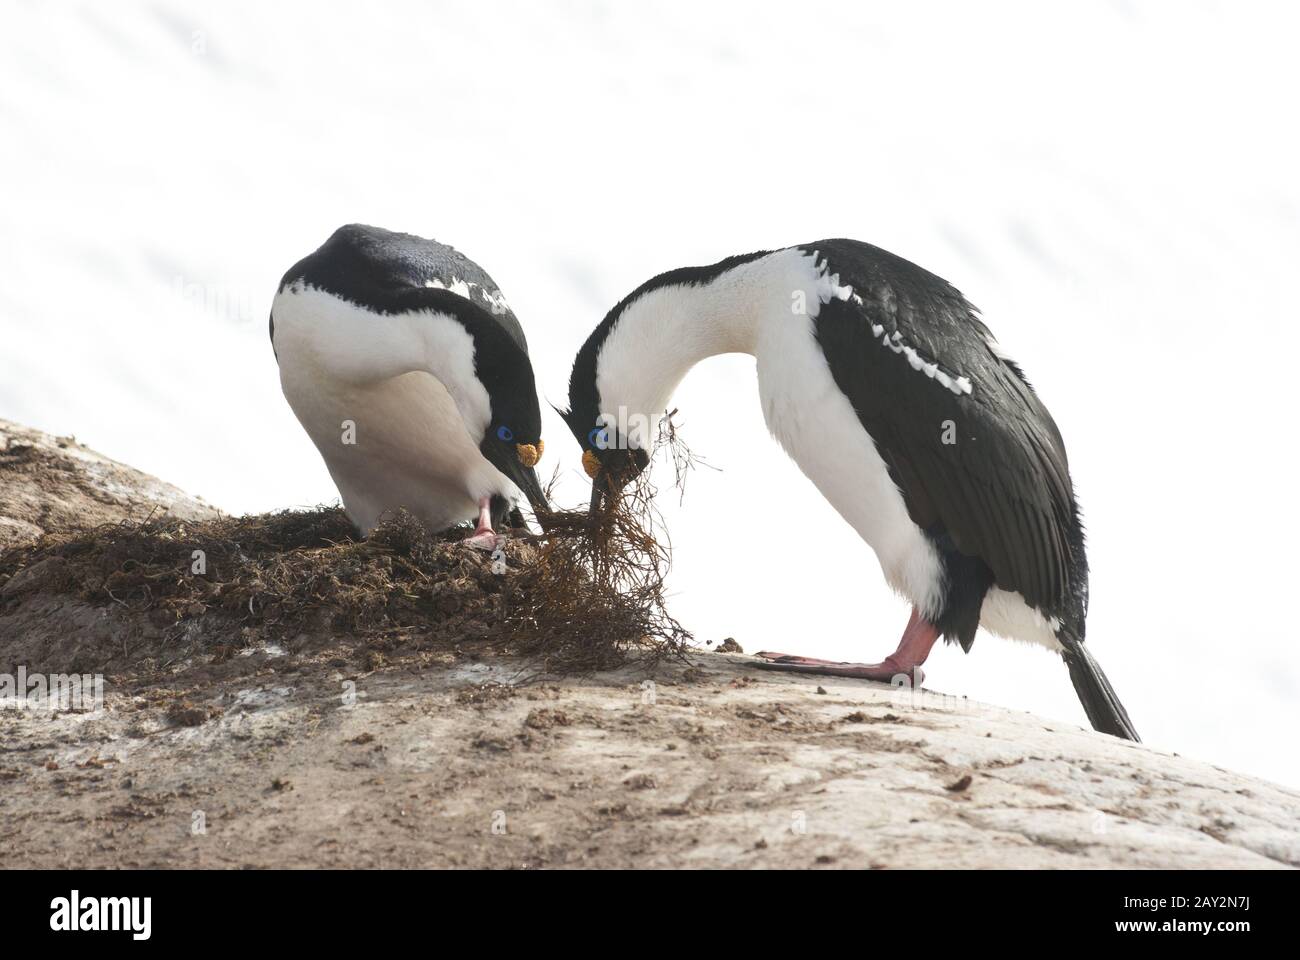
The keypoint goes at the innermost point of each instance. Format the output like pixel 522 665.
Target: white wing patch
pixel 465 288
pixel 829 286
pixel 998 350
pixel 894 341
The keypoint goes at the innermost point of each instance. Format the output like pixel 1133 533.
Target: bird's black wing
pixel 1001 488
pixel 372 265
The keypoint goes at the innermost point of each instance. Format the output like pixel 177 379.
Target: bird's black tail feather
pixel 1104 710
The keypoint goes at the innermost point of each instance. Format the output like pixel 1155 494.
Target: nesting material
pixel 586 594
pixel 595 596
pixel 174 590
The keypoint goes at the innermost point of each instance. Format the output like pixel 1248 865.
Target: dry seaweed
pixel 586 594
pixel 285 573
pixel 596 595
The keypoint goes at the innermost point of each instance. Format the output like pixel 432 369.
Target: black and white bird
pixel 406 367
pixel 881 382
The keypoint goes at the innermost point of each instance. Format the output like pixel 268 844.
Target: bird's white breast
pixel 816 425
pixel 390 431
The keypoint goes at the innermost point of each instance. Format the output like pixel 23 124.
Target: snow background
pixel 1114 184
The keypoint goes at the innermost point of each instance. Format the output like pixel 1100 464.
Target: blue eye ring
pixel 598 438
pixel 504 433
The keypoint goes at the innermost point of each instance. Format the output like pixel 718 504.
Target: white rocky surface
pixel 716 765
pixel 50 484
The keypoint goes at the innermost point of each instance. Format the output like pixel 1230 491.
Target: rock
pixel 43 573
pixel 731 767
pixel 943 782
pixel 53 484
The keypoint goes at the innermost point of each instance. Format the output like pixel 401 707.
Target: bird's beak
pixel 591 464
pixel 529 454
pixel 520 472
pixel 611 479
pixel 526 480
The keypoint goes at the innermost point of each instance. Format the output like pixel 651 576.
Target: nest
pixel 587 594
pixel 276 576
pixel 597 595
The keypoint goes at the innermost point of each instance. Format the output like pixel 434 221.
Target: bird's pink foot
pixel 906 661
pixel 796 659
pixel 883 672
pixel 483 537
pixel 481 540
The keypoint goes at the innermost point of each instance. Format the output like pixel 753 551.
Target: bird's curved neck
pixel 666 331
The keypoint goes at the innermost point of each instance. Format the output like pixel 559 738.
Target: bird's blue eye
pixel 504 433
pixel 598 438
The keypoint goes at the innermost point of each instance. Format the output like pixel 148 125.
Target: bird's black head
pixel 633 353
pixel 512 439
pixel 613 452
pixel 607 447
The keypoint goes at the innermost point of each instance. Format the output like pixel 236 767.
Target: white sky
pixel 1112 183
